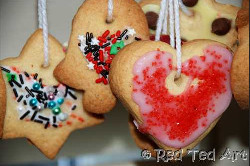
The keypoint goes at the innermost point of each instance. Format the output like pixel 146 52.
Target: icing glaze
pixel 38 102
pixel 99 51
pixel 204 13
pixel 177 120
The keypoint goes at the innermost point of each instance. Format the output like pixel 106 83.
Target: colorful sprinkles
pixel 100 51
pixel 33 97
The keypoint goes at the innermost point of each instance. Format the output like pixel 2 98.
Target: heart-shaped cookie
pixel 174 113
pixel 38 107
pixel 94 43
pixel 209 20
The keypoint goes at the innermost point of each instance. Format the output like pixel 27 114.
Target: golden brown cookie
pixel 92 46
pixel 175 114
pixel 142 141
pixel 2 104
pixel 240 67
pixel 38 107
pixel 210 20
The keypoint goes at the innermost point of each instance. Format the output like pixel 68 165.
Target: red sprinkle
pixel 101 56
pixel 118 34
pixel 180 121
pixel 99 80
pixel 114 40
pixel 69 123
pixel 102 39
pixel 105 34
pixel 81 119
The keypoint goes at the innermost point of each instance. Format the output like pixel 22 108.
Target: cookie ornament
pixel 175 96
pixel 200 19
pixel 33 104
pixel 240 66
pixel 38 107
pixel 100 29
pixel 174 113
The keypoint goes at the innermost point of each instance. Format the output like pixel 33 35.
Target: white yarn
pixel 171 8
pixel 110 11
pixel 184 8
pixel 165 21
pixel 171 22
pixel 160 20
pixel 43 23
pixel 178 38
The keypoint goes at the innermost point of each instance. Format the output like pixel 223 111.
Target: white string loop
pixel 43 23
pixel 171 8
pixel 110 11
pixel 178 38
pixel 185 9
pixel 160 20
pixel 165 21
pixel 171 22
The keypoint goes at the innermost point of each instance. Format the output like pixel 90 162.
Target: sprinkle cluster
pixel 33 97
pixel 177 117
pixel 100 51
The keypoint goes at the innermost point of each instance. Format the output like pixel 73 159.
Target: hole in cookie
pixel 176 86
pixel 178 80
pixel 109 21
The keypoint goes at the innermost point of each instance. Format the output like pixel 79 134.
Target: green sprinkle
pixel 114 48
pixel 56 111
pixel 9 76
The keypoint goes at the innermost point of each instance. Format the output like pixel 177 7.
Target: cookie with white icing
pixel 94 43
pixel 38 107
pixel 240 66
pixel 210 20
pixel 175 114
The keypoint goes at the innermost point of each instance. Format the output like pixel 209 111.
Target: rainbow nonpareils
pixel 38 102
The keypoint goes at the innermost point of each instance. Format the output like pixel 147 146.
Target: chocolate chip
pixel 152 18
pixel 221 26
pixel 190 3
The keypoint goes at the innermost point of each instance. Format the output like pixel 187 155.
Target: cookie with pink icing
pixel 174 113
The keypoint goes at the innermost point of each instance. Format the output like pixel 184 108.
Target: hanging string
pixel 171 8
pixel 165 21
pixel 43 24
pixel 171 22
pixel 185 9
pixel 178 38
pixel 110 11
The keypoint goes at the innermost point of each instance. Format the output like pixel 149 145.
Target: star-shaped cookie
pixel 38 107
pixel 209 20
pixel 92 46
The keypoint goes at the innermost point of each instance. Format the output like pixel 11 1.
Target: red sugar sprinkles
pixel 177 120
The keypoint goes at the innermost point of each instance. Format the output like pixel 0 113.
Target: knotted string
pixel 110 11
pixel 171 8
pixel 43 24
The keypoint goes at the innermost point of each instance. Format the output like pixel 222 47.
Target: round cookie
pixel 210 20
pixel 240 66
pixel 147 87
pixel 38 107
pixel 93 44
